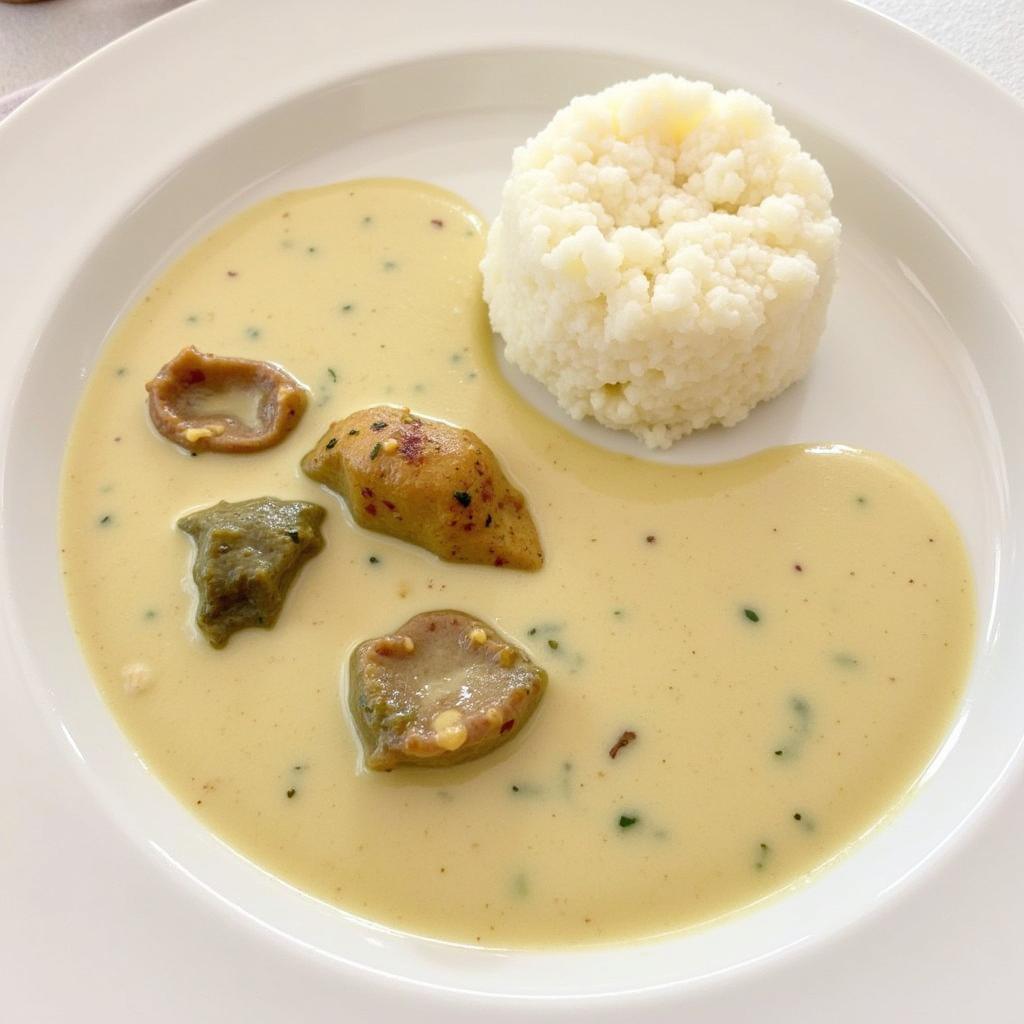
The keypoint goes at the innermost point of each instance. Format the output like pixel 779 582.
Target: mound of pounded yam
pixel 663 258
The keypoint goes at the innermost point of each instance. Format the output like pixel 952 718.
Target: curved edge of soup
pixel 786 637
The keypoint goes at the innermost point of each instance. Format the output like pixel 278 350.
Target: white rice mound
pixel 663 258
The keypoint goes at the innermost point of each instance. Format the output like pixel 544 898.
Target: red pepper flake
pixel 411 442
pixel 499 561
pixel 623 741
pixel 437 222
pixel 389 505
pixel 366 492
pixel 232 273
pixel 798 567
pixel 505 726
pixel 371 509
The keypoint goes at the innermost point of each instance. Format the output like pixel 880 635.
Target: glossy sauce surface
pixel 786 636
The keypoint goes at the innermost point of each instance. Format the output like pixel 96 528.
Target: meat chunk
pixel 444 688
pixel 428 483
pixel 248 554
pixel 185 394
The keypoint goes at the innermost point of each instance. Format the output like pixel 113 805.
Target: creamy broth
pixel 787 636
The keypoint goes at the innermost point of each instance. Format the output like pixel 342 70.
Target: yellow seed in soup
pixel 749 663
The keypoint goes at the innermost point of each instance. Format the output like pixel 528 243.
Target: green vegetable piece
pixel 248 554
pixel 627 820
pixel 751 615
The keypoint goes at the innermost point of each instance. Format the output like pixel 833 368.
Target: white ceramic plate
pixel 116 904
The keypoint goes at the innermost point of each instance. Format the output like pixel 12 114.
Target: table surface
pixel 39 40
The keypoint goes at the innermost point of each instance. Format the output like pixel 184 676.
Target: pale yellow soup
pixel 787 636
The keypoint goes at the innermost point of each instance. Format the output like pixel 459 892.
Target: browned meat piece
pixel 428 483
pixel 183 400
pixel 445 688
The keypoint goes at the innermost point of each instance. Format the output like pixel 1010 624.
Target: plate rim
pixel 56 101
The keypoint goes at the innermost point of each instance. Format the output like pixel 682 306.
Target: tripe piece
pixel 183 398
pixel 442 689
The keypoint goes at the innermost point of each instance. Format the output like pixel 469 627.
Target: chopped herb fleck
pixel 437 222
pixel 379 425
pixel 627 820
pixel 846 660
pixel 861 500
pixel 797 816
pixel 527 789
pixel 799 729
pixel 352 433
pixel 106 520
pixel 375 450
pixel 330 444
pixel 532 631
pixel 347 307
pixel 121 371
pixel 311 249
pixel 751 615
pixel 332 375
pixel 390 265
pixel 624 740
pixel 374 560
pixel 367 220
pixel 290 793
pixel 191 319
pixel 463 498
pixel 149 614
pixel 650 538
pixel 519 885
pixel 553 644
pixel 252 332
